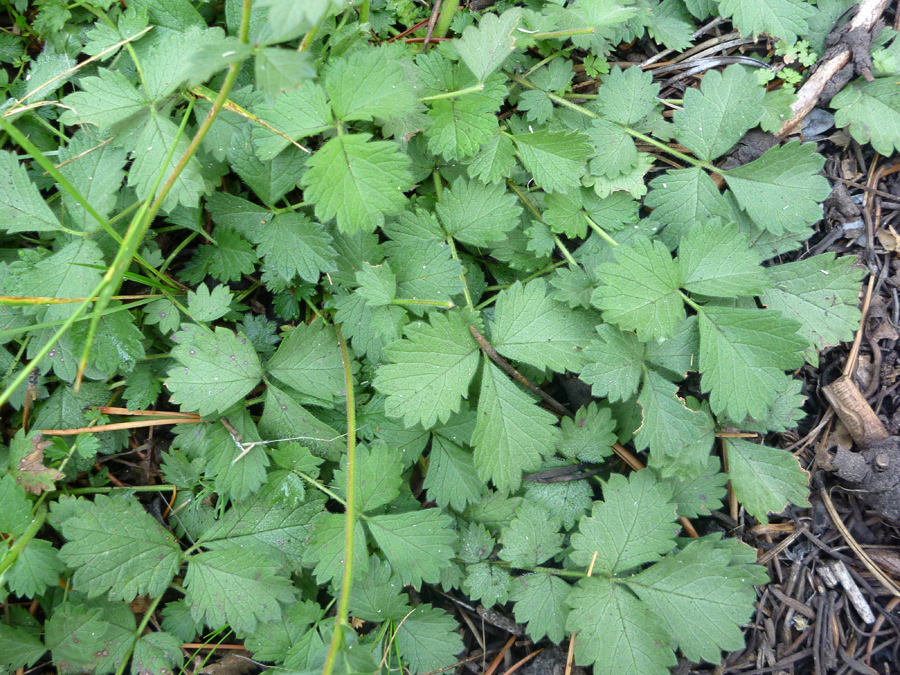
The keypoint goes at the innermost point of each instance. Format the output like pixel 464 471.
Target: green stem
pixel 364 11
pixel 565 252
pixel 37 522
pixel 140 631
pixel 600 231
pixel 448 304
pixel 453 94
pixel 448 10
pixel 111 490
pixel 562 33
pixel 316 484
pixel 631 132
pixel 690 302
pixel 350 511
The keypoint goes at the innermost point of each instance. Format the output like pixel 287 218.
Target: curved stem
pixel 350 526
pixel 8 560
pixel 444 19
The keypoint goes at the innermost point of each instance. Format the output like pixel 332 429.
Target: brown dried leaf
pixel 31 473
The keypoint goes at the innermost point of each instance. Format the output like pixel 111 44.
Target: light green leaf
pixel 235 479
pixel 283 417
pixel 15 509
pixel 217 371
pixel 288 19
pixel 157 653
pixel 37 568
pixel 461 126
pixel 872 112
pixel 487 583
pixel 512 433
pixel 19 647
pixel 205 306
pixel 614 151
pixel 589 436
pixel 428 639
pixel 149 161
pixel 820 292
pixel 627 96
pixel 541 602
pixel 96 172
pixel 238 587
pixel 556 159
pixel 531 327
pixel 532 538
pixel 494 160
pixel 765 479
pixel 701 600
pixel 717 115
pixel 640 290
pixel 357 181
pixel 679 438
pixel 309 360
pixel 271 641
pixel 270 179
pixel 782 190
pixel 678 354
pixel 777 104
pixel 478 214
pixel 633 525
pixel 743 356
pixel 296 246
pixel 327 548
pixel 377 284
pixel 278 70
pixel 22 208
pixel 485 48
pixel 425 270
pixel 785 19
pixel 118 548
pixel 616 364
pixel 617 633
pixel 452 479
pixel 297 114
pixel 378 470
pixel 378 596
pixel 699 496
pixel 369 83
pixel 90 636
pixel 430 371
pixel 104 100
pixel 418 544
pixel 681 197
pixel 715 260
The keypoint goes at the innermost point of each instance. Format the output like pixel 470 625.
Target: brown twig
pixel 117 426
pixel 516 375
pixel 499 657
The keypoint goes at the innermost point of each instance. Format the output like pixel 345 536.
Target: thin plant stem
pixel 349 510
pixel 448 11
pixel 453 94
pixel 600 231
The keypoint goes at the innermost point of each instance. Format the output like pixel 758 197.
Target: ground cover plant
pixel 357 275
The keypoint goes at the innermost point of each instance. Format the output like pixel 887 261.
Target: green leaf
pixel 452 479
pixel 681 197
pixel 777 104
pixel 235 479
pixel 633 525
pixel 616 631
pixel 19 647
pixel 22 208
pixel 357 181
pixel 104 100
pixel 487 583
pixel 90 636
pixel 871 110
pixel 782 190
pixel 157 653
pixel 461 127
pixel 627 96
pixel 296 246
pixel 271 641
pixel 431 370
pixel 279 70
pixel 743 356
pixel 532 538
pixel 820 292
pixel 531 327
pixel 378 471
pixel 701 600
pixel 270 179
pixel 541 603
pixel 238 587
pixel 283 417
pixel 377 284
pixel 616 364
pixel 210 58
pixel 615 151
pixel 378 596
pixel 475 544
pixel 640 290
pixel 327 549
pixel 512 433
pixel 494 160
pixel 96 172
pixel 37 568
pixel 297 114
pixel 428 639
pixel 785 19
pixel 678 354
pixel 485 48
pixel 425 269
pixel 309 360
pixel 715 260
pixel 149 161
pixel 288 19
pixel 765 479
pixel 117 547
pixel 717 116
pixel 679 438
pixel 478 214
pixel 699 496
pixel 556 159
pixel 418 545
pixel 217 371
pixel 205 306
pixel 573 287
pixel 369 83
pixel 15 509
pixel 589 436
